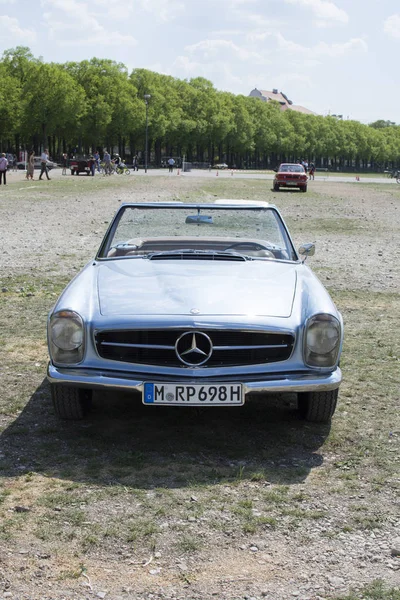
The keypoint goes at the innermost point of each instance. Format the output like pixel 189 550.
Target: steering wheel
pixel 251 246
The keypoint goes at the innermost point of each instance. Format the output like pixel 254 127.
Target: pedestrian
pixel 171 163
pixel 311 171
pixel 135 163
pixel 9 158
pixel 15 165
pixel 107 163
pixel 92 165
pixel 44 157
pixel 30 167
pixel 97 161
pixel 64 163
pixel 3 168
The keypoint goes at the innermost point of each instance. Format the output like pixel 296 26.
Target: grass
pixel 130 481
pixel 377 590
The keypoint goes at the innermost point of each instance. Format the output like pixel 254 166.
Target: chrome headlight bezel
pixel 66 337
pixel 322 341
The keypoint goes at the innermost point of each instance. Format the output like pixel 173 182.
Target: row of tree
pixel 80 106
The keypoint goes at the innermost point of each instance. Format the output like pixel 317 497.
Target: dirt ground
pixel 198 506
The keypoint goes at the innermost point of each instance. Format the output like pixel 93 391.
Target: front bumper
pixel 274 383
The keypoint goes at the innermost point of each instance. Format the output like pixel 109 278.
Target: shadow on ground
pixel 125 443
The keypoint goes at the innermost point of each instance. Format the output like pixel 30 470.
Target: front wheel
pixel 304 188
pixel 127 172
pixel 69 402
pixel 317 407
pixel 397 179
pixel 276 187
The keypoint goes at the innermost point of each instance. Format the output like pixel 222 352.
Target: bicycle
pixel 122 169
pixel 105 169
pixel 393 174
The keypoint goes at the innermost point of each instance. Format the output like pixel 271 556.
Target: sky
pixel 333 57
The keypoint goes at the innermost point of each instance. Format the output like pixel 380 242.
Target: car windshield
pixel 215 232
pixel 291 169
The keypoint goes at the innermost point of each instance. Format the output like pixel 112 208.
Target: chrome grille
pixel 230 348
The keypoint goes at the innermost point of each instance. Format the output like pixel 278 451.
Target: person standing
pixel 107 163
pixel 9 158
pixel 30 168
pixel 97 160
pixel 311 171
pixel 92 165
pixel 44 157
pixel 64 163
pixel 3 168
pixel 171 163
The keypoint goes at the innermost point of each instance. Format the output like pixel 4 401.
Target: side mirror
pixel 276 169
pixel 307 250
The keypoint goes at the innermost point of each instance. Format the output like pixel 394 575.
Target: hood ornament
pixel 194 311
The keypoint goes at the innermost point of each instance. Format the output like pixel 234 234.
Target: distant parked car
pixel 79 165
pixel 50 164
pixel 221 166
pixel 290 175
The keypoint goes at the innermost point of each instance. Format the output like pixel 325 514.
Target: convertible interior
pixel 249 247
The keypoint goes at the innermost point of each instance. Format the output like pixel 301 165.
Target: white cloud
pixel 70 23
pixel 324 11
pixel 392 26
pixel 226 72
pixel 212 48
pixel 322 48
pixel 10 29
pixel 166 10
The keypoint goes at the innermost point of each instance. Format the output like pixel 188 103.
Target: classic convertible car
pixel 196 305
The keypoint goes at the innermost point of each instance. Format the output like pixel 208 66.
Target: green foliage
pixel 95 103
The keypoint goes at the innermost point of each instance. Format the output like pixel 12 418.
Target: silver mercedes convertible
pixel 196 305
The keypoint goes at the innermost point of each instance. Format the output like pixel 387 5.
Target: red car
pixel 80 165
pixel 290 175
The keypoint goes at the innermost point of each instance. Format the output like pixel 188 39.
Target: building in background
pixel 280 97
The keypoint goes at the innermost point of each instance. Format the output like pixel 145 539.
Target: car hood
pixel 177 287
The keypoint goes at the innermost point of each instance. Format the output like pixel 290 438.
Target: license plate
pixel 174 394
pixel 291 183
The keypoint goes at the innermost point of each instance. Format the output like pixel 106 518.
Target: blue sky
pixel 338 57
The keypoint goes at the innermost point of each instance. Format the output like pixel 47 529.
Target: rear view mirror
pixel 199 219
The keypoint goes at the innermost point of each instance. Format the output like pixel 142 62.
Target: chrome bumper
pixel 103 380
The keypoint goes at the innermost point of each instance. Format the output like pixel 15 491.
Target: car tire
pixel 317 407
pixel 276 187
pixel 304 188
pixel 69 402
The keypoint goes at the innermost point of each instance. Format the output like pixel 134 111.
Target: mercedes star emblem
pixel 193 348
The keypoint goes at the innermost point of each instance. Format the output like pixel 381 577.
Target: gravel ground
pixel 316 548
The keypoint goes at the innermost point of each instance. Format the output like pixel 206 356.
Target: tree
pixel 53 102
pixel 10 102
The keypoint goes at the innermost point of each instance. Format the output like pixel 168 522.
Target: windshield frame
pixel 198 206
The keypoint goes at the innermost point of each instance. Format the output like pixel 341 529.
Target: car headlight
pixel 322 341
pixel 66 337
